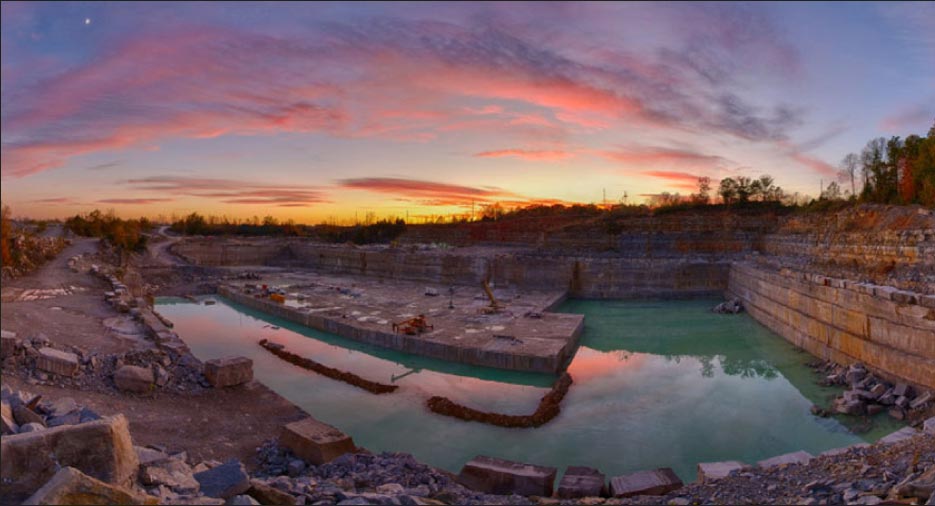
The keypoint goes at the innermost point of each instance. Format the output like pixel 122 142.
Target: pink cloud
pixel 661 156
pixel 231 191
pixel 527 154
pixel 134 201
pixel 680 180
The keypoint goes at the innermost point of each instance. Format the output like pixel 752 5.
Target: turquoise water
pixel 657 384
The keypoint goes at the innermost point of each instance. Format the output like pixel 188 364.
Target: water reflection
pixel 656 385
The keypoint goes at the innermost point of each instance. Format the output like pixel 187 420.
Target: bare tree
pixel 849 166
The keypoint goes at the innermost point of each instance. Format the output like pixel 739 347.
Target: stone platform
pixel 521 336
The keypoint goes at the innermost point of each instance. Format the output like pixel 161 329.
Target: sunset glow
pixel 333 110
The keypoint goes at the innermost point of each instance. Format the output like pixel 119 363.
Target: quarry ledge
pixel 533 341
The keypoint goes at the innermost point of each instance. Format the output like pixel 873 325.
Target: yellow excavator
pixel 494 306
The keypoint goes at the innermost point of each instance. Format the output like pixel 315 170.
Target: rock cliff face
pixel 853 285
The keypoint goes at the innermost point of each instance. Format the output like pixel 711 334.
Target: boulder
pixel 315 442
pixel 799 457
pixel 902 390
pixel 172 473
pixel 847 406
pixel 581 481
pixel 8 343
pixel 242 500
pixel 61 406
pixel 149 456
pixel 23 415
pixel 101 449
pixel 715 470
pixel 131 378
pixel 228 372
pixel 57 362
pixel 71 486
pixel 224 481
pixel 266 494
pixel 498 476
pixel 656 482
pixel 31 427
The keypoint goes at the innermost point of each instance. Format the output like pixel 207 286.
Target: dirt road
pixel 68 307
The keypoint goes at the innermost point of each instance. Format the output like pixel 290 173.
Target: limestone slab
pixel 655 482
pixel 581 482
pixel 499 476
pixel 315 441
pixel 101 449
pixel 229 371
pixel 799 457
pixel 57 361
pixel 7 343
pixel 715 470
pixel 71 486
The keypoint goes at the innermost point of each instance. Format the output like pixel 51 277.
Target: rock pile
pixel 24 412
pixel 870 395
pixel 732 306
pixel 44 363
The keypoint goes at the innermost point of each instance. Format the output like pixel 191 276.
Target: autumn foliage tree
pixel 6 232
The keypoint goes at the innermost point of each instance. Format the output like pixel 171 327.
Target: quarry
pixel 518 361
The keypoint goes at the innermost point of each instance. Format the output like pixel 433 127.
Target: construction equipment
pixel 277 297
pixel 413 326
pixel 495 306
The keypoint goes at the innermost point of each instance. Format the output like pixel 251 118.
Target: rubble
pixel 731 306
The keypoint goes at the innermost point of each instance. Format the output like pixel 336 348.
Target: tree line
pixel 125 235
pixel 890 171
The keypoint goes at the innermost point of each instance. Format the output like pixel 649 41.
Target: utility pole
pixel 604 198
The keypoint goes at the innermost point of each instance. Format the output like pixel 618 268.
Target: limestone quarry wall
pixel 892 331
pixel 582 276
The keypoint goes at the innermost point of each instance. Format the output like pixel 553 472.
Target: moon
pixel 87 21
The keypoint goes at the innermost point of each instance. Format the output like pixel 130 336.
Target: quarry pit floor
pixel 460 317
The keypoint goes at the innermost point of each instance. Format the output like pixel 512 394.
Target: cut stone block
pixel 799 457
pixel 929 426
pixel 224 481
pixel 57 362
pixel 920 401
pixel 656 482
pixel 101 449
pixel 71 486
pixel 131 378
pixel 581 482
pixel 716 470
pixel 316 442
pixel 8 424
pixel 228 372
pixel 900 435
pixel 502 477
pixel 7 343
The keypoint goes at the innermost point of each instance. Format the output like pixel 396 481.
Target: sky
pixel 330 111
